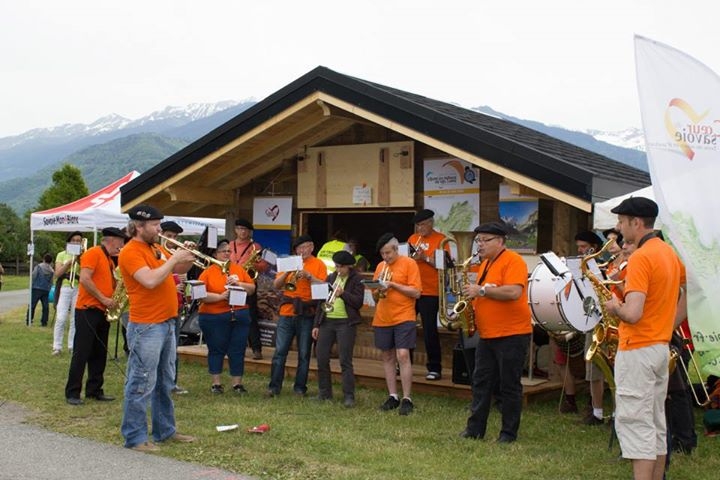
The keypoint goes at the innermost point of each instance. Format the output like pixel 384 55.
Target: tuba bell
pixel 451 278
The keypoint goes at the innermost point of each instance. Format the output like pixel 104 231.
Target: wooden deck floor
pixel 369 373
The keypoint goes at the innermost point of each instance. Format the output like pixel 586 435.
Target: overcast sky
pixel 565 62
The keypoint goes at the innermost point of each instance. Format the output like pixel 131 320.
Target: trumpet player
pixel 97 284
pixel 503 322
pixel 151 331
pixel 394 320
pixel 424 242
pixel 241 250
pixel 337 322
pixel 67 268
pixel 297 315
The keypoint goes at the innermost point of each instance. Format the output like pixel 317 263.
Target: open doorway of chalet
pixel 364 226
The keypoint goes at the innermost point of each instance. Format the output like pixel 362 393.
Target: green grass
pixel 15 282
pixel 311 440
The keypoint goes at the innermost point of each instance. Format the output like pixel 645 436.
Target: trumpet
pixel 415 248
pixel 291 281
pixel 329 304
pixel 202 261
pixel 385 276
pixel 73 273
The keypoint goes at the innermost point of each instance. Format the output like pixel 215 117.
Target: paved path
pixel 31 453
pixel 10 300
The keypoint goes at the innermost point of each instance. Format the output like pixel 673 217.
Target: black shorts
pixel 402 335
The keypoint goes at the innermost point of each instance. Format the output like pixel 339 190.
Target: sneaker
pixel 592 420
pixel 56 352
pixel 349 401
pixel 567 407
pixel 406 406
pixel 239 389
pixel 217 389
pixel 257 355
pixel 390 404
pixel 179 437
pixel 178 390
pixel 145 447
pixel 433 376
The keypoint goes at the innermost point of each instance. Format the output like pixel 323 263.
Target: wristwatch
pixel 482 291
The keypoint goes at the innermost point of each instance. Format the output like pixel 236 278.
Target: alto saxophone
pixel 605 333
pixel 120 298
pixel 249 264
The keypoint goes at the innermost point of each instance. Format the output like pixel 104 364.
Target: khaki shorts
pixel 642 377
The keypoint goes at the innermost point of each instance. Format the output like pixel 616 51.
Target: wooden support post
pixel 383 187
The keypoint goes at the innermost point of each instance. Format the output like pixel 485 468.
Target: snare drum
pixel 562 311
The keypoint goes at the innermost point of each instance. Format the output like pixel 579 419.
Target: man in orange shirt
pixel 150 332
pixel 502 316
pixel 394 321
pixel 97 284
pixel 647 319
pixel 297 316
pixel 423 244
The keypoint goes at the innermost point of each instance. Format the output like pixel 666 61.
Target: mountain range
pixel 111 146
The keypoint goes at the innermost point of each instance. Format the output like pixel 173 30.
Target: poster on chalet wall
pixel 452 190
pixel 520 214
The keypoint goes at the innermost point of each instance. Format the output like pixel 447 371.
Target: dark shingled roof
pixel 551 161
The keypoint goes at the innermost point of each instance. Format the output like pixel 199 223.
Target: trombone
pixel 677 357
pixel 202 261
pixel 73 273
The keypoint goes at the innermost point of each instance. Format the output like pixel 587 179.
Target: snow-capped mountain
pixel 632 138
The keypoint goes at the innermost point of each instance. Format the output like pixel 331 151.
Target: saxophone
pixel 120 298
pixel 605 333
pixel 249 264
pixel 461 315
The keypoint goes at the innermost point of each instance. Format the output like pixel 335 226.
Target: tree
pixel 68 186
pixel 12 240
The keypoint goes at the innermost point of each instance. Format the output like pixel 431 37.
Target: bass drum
pixel 562 311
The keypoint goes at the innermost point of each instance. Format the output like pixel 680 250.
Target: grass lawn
pixel 311 440
pixel 15 282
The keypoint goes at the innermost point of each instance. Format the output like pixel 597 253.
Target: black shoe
pixel 217 389
pixel 257 355
pixel 349 401
pixel 468 434
pixel 390 404
pixel 505 439
pixel 592 420
pixel 74 401
pixel 271 394
pixel 101 397
pixel 239 389
pixel 406 406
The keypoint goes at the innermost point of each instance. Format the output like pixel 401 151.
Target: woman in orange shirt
pixel 224 326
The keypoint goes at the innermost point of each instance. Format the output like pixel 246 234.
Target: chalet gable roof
pixel 531 158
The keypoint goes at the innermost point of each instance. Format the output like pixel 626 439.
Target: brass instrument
pixel 451 279
pixel 415 248
pixel 120 298
pixel 73 263
pixel 291 281
pixel 202 261
pixel 605 333
pixel 329 304
pixel 677 359
pixel 249 264
pixel 385 276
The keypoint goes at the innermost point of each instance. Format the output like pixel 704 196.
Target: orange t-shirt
pixel 397 308
pixel 215 281
pixel 317 269
pixel 428 272
pixel 102 268
pixel 146 305
pixel 655 270
pixel 502 318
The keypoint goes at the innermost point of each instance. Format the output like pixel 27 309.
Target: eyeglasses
pixel 223 251
pixel 479 240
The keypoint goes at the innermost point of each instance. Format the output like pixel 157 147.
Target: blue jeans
pixel 149 379
pixel 287 328
pixel 226 334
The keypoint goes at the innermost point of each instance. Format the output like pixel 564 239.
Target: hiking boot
pixel 406 406
pixel 390 404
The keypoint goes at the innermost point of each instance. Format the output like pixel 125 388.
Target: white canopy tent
pixel 102 209
pixel 604 219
